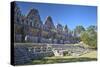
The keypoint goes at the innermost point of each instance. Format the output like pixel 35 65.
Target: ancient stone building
pixel 17 23
pixel 34 26
pixel 29 28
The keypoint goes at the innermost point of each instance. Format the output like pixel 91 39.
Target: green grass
pixel 92 54
pixel 60 60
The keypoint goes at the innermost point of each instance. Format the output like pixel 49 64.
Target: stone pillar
pixel 34 49
pixel 41 49
pixel 46 48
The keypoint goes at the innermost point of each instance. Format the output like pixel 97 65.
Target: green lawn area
pixel 92 56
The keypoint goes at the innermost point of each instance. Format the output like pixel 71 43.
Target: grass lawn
pixel 65 59
pixel 92 54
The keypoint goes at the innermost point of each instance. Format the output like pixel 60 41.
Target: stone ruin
pixel 25 53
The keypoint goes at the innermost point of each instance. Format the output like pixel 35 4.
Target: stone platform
pixel 25 52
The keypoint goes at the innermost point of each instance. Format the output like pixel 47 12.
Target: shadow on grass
pixel 60 60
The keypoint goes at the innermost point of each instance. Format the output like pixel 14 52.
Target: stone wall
pixel 23 55
pixel 26 52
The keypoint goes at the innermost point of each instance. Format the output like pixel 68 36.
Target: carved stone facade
pixel 30 28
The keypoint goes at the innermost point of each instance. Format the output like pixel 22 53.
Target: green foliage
pixel 92 28
pixel 90 37
pixel 79 29
pixel 85 37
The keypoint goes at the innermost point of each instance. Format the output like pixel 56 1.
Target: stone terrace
pixel 25 52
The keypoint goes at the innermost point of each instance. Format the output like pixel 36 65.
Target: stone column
pixel 41 49
pixel 46 48
pixel 34 49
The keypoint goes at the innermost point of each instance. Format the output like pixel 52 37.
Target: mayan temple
pixel 29 28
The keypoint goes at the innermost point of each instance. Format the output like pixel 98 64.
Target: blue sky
pixel 72 15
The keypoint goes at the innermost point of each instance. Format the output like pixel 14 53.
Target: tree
pixel 79 29
pixel 89 36
pixel 77 33
pixel 66 29
pixel 85 37
pixel 92 28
